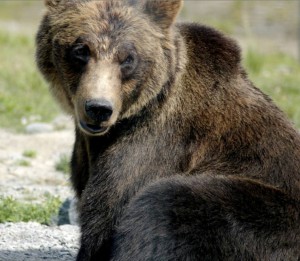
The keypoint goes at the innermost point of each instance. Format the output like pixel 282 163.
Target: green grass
pixel 23 163
pixel 23 92
pixel 278 75
pixel 12 210
pixel 63 164
pixel 30 154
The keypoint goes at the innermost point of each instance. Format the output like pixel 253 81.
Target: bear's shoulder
pixel 208 46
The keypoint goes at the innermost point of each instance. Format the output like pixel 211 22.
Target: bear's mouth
pixel 92 129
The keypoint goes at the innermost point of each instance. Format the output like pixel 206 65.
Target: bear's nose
pixel 98 110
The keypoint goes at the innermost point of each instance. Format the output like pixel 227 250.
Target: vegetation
pixel 29 154
pixel 278 75
pixel 63 164
pixel 12 210
pixel 23 93
pixel 23 163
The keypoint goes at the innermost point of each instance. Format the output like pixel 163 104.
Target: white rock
pixel 39 128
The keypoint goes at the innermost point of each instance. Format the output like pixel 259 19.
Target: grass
pixel 23 92
pixel 12 210
pixel 30 154
pixel 63 164
pixel 23 163
pixel 278 75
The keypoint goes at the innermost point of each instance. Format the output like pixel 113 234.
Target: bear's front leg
pixel 102 254
pixel 99 213
pixel 79 164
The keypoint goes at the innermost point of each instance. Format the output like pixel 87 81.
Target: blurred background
pixel 268 32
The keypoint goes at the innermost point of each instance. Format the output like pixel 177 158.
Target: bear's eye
pixel 129 60
pixel 128 65
pixel 79 55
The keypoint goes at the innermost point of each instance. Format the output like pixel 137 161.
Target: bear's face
pixel 105 60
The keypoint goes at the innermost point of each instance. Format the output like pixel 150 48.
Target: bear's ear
pixel 52 3
pixel 162 12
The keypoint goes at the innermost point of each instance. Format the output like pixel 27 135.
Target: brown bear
pixel 178 156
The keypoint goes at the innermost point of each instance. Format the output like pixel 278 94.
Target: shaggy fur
pixel 179 157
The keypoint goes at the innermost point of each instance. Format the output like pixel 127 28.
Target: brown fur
pixel 186 120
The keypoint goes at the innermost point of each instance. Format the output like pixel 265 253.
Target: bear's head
pixel 106 60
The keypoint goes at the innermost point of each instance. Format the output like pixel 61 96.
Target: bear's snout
pixel 97 118
pixel 98 110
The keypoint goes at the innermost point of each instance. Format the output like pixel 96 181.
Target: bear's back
pixel 245 131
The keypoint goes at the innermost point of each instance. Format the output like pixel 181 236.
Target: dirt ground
pixel 32 241
pixel 37 176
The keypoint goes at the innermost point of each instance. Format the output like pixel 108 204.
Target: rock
pixel 73 213
pixel 68 212
pixel 63 213
pixel 39 128
pixel 62 122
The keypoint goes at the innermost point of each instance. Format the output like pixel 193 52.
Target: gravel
pixel 39 176
pixel 30 183
pixel 33 242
